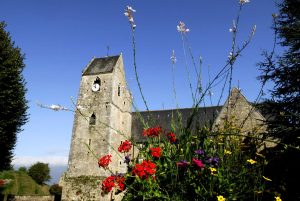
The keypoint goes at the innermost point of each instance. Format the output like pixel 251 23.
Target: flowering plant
pixel 125 146
pixel 110 182
pixel 156 152
pixel 152 132
pixel 104 161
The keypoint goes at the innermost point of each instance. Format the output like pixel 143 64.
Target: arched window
pixel 97 81
pixel 93 119
pixel 119 90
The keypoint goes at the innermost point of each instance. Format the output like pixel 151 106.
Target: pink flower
pixel 198 163
pixel 182 164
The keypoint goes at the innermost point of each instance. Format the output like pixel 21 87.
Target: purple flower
pixel 182 163
pixel 200 151
pixel 213 160
pixel 127 159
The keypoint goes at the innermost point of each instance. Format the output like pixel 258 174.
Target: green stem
pixel 135 67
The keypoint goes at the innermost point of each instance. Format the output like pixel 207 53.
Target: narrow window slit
pixel 93 119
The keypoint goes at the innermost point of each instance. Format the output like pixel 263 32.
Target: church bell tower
pixel 102 120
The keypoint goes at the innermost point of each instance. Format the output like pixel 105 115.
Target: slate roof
pixel 163 118
pixel 101 65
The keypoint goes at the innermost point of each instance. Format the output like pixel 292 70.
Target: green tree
pixel 284 104
pixel 284 71
pixel 22 169
pixel 13 104
pixel 39 172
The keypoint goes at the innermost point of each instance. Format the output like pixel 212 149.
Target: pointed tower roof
pixel 238 107
pixel 101 65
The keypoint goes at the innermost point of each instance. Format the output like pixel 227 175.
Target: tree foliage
pixel 12 96
pixel 284 72
pixel 40 172
pixel 284 104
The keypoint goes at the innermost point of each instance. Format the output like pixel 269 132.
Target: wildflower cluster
pixel 244 1
pixel 111 182
pixel 104 161
pixel 152 132
pixel 171 137
pixel 144 170
pixel 181 28
pixel 125 146
pixel 129 14
pixel 156 152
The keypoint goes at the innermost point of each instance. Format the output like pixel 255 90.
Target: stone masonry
pixel 101 122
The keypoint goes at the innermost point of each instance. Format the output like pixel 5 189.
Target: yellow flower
pixel 251 161
pixel 221 198
pixel 227 152
pixel 277 198
pixel 213 171
pixel 266 178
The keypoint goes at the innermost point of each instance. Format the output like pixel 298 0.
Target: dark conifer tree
pixel 13 104
pixel 284 104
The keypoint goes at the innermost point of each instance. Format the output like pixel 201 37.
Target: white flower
pixel 230 56
pixel 173 58
pixel 53 107
pixel 130 9
pixel 244 1
pixel 181 28
pixel 128 13
pixel 57 107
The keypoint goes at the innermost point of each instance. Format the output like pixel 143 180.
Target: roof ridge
pixel 216 106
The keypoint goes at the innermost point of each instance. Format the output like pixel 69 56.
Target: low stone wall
pixel 34 198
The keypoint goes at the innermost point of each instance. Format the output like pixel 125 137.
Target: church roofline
pixel 187 108
pixel 101 65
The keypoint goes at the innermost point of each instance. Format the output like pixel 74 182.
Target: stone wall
pixel 33 198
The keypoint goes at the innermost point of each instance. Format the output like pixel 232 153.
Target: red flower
pixel 108 184
pixel 111 181
pixel 120 180
pixel 171 137
pixel 125 146
pixel 144 170
pixel 155 152
pixel 152 132
pixel 198 163
pixel 104 161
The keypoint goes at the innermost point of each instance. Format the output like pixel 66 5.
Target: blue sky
pixel 60 37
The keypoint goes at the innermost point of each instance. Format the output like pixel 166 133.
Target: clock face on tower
pixel 95 87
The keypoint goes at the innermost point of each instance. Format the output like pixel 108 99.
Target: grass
pixel 23 184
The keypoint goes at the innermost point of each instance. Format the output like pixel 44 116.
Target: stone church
pixel 104 118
